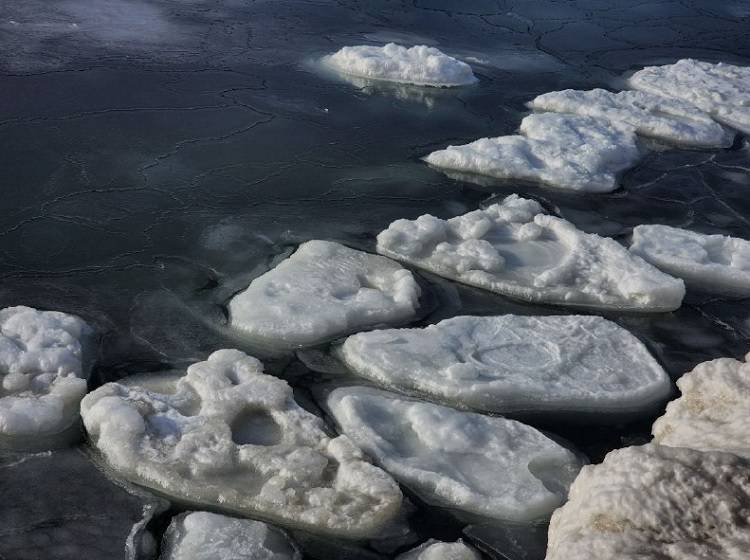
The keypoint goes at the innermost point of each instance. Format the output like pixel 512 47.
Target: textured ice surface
pixel 667 119
pixel 437 550
pixel 722 90
pixel 715 263
pixel 229 436
pixel 514 249
pixel 656 503
pixel 455 458
pixel 569 152
pixel 322 291
pixel 419 65
pixel 201 535
pixel 512 362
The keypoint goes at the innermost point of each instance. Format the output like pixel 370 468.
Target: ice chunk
pixel 419 65
pixel 514 363
pixel 324 290
pixel 514 249
pixel 564 151
pixel 438 550
pixel 228 436
pixel 715 263
pixel 671 120
pixel 453 458
pixel 656 503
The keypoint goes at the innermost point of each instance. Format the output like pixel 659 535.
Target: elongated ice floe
pixel 722 90
pixel 514 249
pixel 656 502
pixel 324 290
pixel 671 120
pixel 419 65
pixel 454 458
pixel 228 436
pixel 438 550
pixel 569 152
pixel 715 263
pixel 514 363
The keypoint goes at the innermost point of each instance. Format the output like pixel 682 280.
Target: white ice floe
pixel 715 263
pixel 42 377
pixel 514 249
pixel 489 467
pixel 438 550
pixel 565 151
pixel 201 535
pixel 514 363
pixel 324 290
pixel 228 436
pixel 656 503
pixel 671 120
pixel 722 90
pixel 419 65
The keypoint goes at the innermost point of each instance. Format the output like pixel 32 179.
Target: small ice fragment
pixel 438 550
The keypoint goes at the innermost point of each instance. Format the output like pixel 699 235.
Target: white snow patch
pixel 438 550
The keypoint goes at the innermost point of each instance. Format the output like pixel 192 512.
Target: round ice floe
pixel 419 65
pixel 656 503
pixel 324 290
pixel 228 436
pixel 437 550
pixel 489 467
pixel 514 249
pixel 514 363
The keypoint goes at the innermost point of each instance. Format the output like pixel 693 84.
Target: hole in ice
pixel 255 427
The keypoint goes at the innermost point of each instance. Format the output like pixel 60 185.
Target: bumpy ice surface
pixel 322 291
pixel 454 458
pixel 437 550
pixel 514 249
pixel 228 436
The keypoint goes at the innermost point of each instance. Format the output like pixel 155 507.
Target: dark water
pixel 156 155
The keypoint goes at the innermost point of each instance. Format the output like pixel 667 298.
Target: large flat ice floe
pixel 514 249
pixel 656 503
pixel 514 363
pixel 419 65
pixel 41 374
pixel 454 458
pixel 569 152
pixel 655 116
pixel 438 550
pixel 715 263
pixel 324 290
pixel 721 90
pixel 228 436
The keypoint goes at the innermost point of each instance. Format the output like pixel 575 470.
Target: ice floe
pixel 228 436
pixel 438 550
pixel 324 290
pixel 655 502
pixel 453 458
pixel 419 65
pixel 514 249
pixel 514 363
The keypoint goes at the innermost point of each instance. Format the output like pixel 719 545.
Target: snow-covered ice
pixel 514 363
pixel 454 458
pixel 419 65
pixel 514 249
pixel 228 436
pixel 671 120
pixel 438 550
pixel 324 290
pixel 715 263
pixel 570 152
pixel 656 502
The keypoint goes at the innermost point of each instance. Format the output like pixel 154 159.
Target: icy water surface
pixel 157 155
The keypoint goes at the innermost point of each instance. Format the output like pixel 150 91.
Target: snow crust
pixel 324 290
pixel 514 249
pixel 419 65
pixel 454 458
pixel 228 436
pixel 656 503
pixel 438 550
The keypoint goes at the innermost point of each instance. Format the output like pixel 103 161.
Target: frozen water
pixel 514 249
pixel 453 458
pixel 514 363
pixel 437 550
pixel 324 290
pixel 570 152
pixel 228 436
